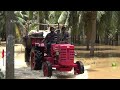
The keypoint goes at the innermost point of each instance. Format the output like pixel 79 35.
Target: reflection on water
pixel 26 73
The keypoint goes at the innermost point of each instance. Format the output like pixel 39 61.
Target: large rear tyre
pixel 35 59
pixel 47 69
pixel 79 69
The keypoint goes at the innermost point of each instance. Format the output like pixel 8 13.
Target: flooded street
pixel 95 68
pixel 24 72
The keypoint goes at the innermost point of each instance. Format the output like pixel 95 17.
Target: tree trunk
pixel 73 23
pixel 116 39
pixel 10 45
pixel 93 34
pixel 83 36
pixel 88 34
pixel 87 28
pixel 75 39
pixel 97 37
pixel 87 43
pixel 40 20
pixel 78 39
pixel 106 37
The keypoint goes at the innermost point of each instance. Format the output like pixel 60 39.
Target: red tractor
pixel 61 58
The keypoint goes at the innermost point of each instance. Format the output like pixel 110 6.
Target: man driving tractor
pixel 50 39
pixel 54 37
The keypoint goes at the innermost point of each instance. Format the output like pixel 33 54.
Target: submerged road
pixel 24 72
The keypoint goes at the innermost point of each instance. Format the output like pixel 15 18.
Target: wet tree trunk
pixel 88 34
pixel 93 33
pixel 74 38
pixel 78 39
pixel 10 44
pixel 87 40
pixel 87 28
pixel 83 36
pixel 116 38
pixel 73 23
pixel 106 37
pixel 97 37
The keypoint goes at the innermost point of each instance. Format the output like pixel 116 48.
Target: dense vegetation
pixel 86 27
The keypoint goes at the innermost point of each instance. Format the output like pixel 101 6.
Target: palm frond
pixel 63 17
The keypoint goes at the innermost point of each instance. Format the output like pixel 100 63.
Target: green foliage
pixel 46 15
pixel 33 26
pixel 63 17
pixel 54 16
pixel 99 15
pixel 17 32
pixel 76 20
pixel 30 15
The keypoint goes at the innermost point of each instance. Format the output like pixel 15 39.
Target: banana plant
pixel 25 18
pixel 62 18
pixel 54 16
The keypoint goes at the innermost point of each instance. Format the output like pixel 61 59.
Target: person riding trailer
pixel 50 39
pixel 64 35
pixel 58 36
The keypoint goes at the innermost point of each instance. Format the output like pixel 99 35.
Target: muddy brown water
pixel 101 64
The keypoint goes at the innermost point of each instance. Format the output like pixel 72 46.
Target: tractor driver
pixel 50 39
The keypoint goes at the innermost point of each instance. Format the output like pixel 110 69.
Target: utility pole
pixel 10 26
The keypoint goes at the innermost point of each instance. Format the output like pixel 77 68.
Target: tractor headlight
pixel 57 53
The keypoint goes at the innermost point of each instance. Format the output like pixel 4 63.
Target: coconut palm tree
pixel 9 16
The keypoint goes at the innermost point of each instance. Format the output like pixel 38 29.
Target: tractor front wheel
pixel 79 69
pixel 47 69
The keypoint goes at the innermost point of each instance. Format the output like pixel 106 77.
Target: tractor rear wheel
pixel 35 59
pixel 47 69
pixel 80 68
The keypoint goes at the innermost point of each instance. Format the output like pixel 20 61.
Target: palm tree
pixel 26 21
pixel 115 25
pixel 73 23
pixel 2 25
pixel 108 27
pixel 93 33
pixel 10 44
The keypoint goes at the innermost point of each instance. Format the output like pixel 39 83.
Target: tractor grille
pixel 67 53
pixel 63 54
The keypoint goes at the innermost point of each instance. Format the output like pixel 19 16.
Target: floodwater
pixel 24 72
pixel 99 66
